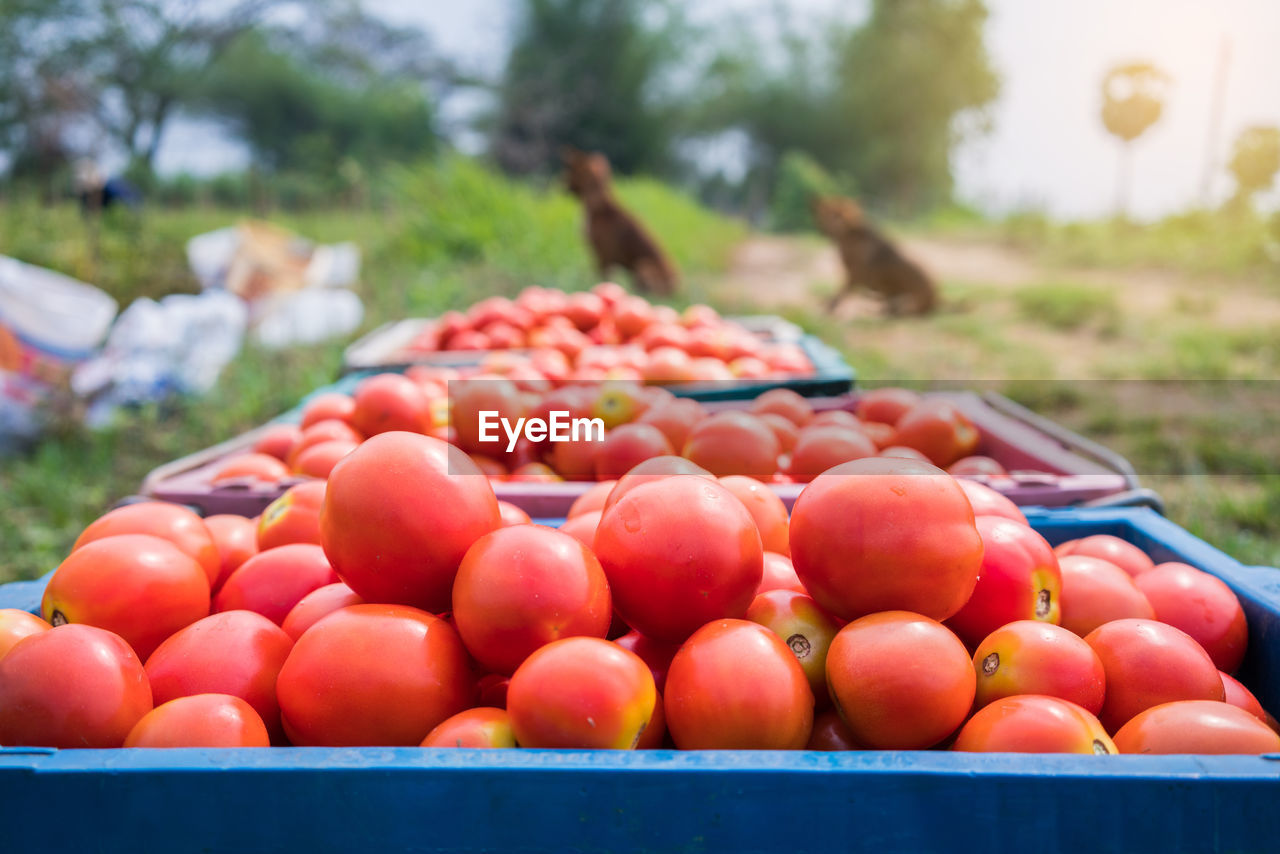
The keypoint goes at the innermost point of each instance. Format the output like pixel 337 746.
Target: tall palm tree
pixel 1133 100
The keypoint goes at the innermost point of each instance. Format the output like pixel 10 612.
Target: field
pixel 1172 368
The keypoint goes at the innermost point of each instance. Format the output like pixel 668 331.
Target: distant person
pixel 617 238
pixel 871 261
pixel 99 194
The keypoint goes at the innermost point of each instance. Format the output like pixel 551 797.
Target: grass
pixel 1069 307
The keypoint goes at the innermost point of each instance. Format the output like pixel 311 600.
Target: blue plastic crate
pixel 375 799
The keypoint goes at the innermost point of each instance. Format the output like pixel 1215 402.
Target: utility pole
pixel 1215 122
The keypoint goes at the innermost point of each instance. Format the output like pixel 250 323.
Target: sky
pixel 1048 150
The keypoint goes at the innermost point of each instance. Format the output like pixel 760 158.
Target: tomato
pixel 534 473
pixel 16 625
pixel 784 430
pixel 1096 591
pixel 237 540
pixel 676 418
pixel 321 433
pixel 1019 580
pixel 202 720
pixel 653 471
pixel 903 453
pixel 479 727
pixel 277 440
pixel 72 686
pixel 626 447
pixel 1196 726
pixel 1202 606
pixel 1034 723
pixel 976 466
pixel 330 405
pixel 583 527
pixel 468 398
pixel 521 588
pixel 766 508
pixel 784 402
pixel 1236 694
pixel 575 460
pixel 1148 663
pixel 882 534
pixel 294 517
pixel 656 654
pixel 654 735
pixel 316 605
pixel 886 405
pixel 513 515
pixel 900 680
pixel 1031 657
pixel 176 524
pixel 805 628
pixel 592 499
pixel 619 403
pixel 581 693
pixel 386 402
pixel 142 588
pixel 779 574
pixel 836 418
pixel 678 554
pixel 831 733
pixel 938 430
pixel 821 447
pixel 987 502
pixel 373 675
pixel 236 652
pixel 319 460
pixel 733 443
pixel 260 467
pixel 400 512
pixel 734 685
pixel 273 582
pixel 493 690
pixel 1125 555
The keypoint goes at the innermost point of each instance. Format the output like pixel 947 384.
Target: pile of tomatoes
pixel 399 603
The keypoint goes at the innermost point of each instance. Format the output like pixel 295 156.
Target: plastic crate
pixel 1071 470
pixel 390 799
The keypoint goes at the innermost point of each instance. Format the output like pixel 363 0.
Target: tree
pixel 1132 101
pixel 1255 160
pixel 588 73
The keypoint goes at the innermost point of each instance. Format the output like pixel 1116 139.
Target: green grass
pixel 1066 306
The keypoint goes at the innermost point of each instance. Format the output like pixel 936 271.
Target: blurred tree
pixel 1255 160
pixel 800 180
pixel 588 73
pixel 1132 101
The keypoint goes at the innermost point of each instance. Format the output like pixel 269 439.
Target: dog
pixel 871 261
pixel 617 238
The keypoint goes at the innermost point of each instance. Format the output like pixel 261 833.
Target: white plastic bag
pixel 307 316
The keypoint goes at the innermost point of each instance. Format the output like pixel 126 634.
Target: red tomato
pixel 176 524
pixel 805 628
pixel 140 587
pixel 733 443
pixel 766 508
pixel 1196 726
pixel 319 460
pixel 654 736
pixel 1096 591
pixel 386 402
pixel 831 733
pixel 1019 580
pixel 493 690
pixel 294 517
pixel 513 515
pixel 581 693
pixel 273 582
pixel 1125 555
pixel 583 527
pixel 72 686
pixel 882 534
pixel 939 430
pixel 779 574
pixel 321 433
pixel 1149 663
pixel 479 727
pixel 1202 606
pixel 821 447
pixel 1031 657
pixel 987 502
pixel 330 405
pixel 521 588
pixel 1242 698
pixel 592 499
pixel 679 553
pixel 259 467
pixel 373 675
pixel 734 685
pixel 836 418
pixel 400 512
pixel 1033 723
pixel 976 466
pixel 675 418
pixel 202 720
pixel 656 654
pixel 653 471
pixel 237 540
pixel 784 430
pixel 626 447
pixel 277 440
pixel 534 473
pixel 16 625
pixel 237 652
pixel 784 402
pixel 886 405
pixel 900 680
pixel 903 453
pixel 316 605
pixel 468 398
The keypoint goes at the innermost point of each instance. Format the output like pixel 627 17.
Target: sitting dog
pixel 871 261
pixel 616 237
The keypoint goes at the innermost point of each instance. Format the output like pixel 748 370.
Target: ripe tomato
pixel 733 443
pixel 1031 657
pixel 72 686
pixel 373 675
pixel 316 605
pixel 237 540
pixel 202 720
pixel 900 680
pixel 277 440
pixel 975 466
pixel 766 508
pixel 1096 591
pixel 938 430
pixel 330 405
pixel 1034 723
pixel 592 499
pixel 479 727
pixel 171 522
pixel 805 628
pixel 734 685
pixel 273 582
pixel 882 534
pixel 1148 663
pixel 1125 555
pixel 820 447
pixel 294 517
pixel 16 625
pixel 386 402
pixel 902 452
pixel 784 430
pixel 676 418
pixel 581 693
pixel 1242 698
pixel 655 734
pixel 142 588
pixel 987 502
pixel 886 405
pixel 626 447
pixel 399 514
pixel 468 398
pixel 322 433
pixel 259 467
pixel 653 471
pixel 656 654
pixel 1196 726
pixel 779 574
pixel 784 402
pixel 512 515
pixel 583 527
pixel 1202 606
pixel 319 460
pixel 521 588
pixel 831 733
pixel 678 554
pixel 237 652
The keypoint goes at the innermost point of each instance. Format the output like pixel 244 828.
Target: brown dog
pixel 871 261
pixel 616 237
